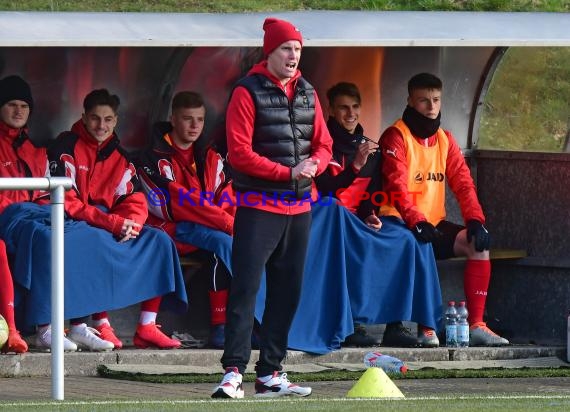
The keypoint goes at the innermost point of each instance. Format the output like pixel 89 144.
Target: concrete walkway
pixel 98 389
pixel 208 360
pixel 27 376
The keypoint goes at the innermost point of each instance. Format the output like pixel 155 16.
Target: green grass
pixel 228 6
pixel 464 404
pixel 527 107
pixel 341 375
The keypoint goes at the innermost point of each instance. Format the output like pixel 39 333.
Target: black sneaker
pixel 397 335
pixel 360 338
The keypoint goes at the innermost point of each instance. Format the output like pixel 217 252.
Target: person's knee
pixel 463 248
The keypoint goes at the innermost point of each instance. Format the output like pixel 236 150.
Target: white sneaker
pixel 231 386
pixel 272 386
pixel 89 338
pixel 43 341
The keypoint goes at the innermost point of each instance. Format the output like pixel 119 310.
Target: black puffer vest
pixel 282 132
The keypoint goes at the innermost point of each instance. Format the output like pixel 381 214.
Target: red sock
pixel 218 303
pixel 6 289
pixel 99 316
pixel 151 305
pixel 475 284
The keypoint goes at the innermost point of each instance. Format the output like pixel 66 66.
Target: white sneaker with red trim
pixel 272 386
pixel 231 385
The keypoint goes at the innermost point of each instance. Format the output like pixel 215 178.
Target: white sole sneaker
pixel 43 342
pixel 231 385
pixel 277 385
pixel 88 338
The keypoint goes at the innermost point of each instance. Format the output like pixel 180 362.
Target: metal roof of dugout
pixel 320 28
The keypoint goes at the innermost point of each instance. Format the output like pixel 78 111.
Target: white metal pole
pixel 57 282
pixel 57 186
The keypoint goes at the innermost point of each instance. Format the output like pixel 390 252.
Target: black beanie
pixel 15 88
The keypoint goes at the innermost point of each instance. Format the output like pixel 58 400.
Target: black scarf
pixel 420 125
pixel 344 143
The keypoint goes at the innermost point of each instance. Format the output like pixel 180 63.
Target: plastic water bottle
pixel 451 325
pixel 462 325
pixel 387 363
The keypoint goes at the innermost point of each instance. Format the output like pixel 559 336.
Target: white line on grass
pixel 202 401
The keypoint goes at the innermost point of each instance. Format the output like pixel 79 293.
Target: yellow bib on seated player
pixel 426 175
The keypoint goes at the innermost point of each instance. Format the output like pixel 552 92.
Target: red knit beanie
pixel 278 32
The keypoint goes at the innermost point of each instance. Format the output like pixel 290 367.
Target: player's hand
pixel 425 232
pixel 364 150
pixel 373 222
pixel 477 231
pixel 129 230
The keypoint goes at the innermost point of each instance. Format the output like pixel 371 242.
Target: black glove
pixel 475 229
pixel 425 232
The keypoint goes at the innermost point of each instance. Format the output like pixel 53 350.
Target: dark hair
pixel 187 100
pixel 343 89
pixel 101 97
pixel 424 81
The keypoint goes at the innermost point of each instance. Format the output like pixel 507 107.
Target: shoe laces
pixel 92 333
pixel 428 332
pixel 284 379
pixel 281 379
pixel 484 328
pixel 105 326
pixel 231 374
pixel 105 330
pixel 151 325
pixel 154 329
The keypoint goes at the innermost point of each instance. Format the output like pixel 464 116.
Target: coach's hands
pixel 305 169
pixel 425 232
pixel 479 232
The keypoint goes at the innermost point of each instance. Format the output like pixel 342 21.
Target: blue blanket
pixel 100 273
pixel 205 238
pixel 352 274
pixel 356 274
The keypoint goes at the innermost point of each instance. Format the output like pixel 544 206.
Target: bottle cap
pixel 451 303
pixel 462 303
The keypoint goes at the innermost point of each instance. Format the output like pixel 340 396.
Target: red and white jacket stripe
pixel 105 185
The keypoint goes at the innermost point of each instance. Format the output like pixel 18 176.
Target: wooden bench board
pixel 501 254
pixel 189 261
pixel 496 254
